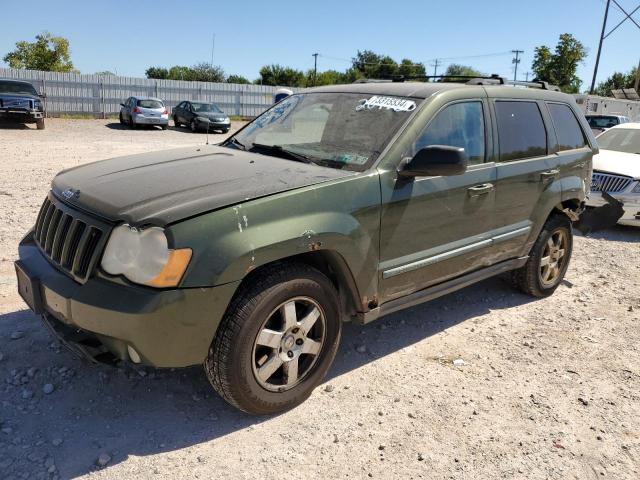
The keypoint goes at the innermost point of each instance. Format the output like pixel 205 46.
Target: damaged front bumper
pixel 104 320
pixel 600 214
pixel 630 203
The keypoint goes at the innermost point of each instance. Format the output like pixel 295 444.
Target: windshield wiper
pixel 237 143
pixel 280 149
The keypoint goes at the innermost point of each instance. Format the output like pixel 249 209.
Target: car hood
pixel 167 186
pixel 620 163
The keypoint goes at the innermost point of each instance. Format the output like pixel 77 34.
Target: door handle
pixel 549 174
pixel 480 189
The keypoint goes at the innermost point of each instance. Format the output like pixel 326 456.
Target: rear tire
pixel 132 124
pixel 40 124
pixel 277 340
pixel 548 260
pixel 163 127
pixel 193 126
pixel 121 119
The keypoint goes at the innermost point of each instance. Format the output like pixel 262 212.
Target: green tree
pixel 160 73
pixel 237 79
pixel 327 77
pixel 462 70
pixel 368 64
pixel 617 81
pixel 560 67
pixel 205 72
pixel 47 53
pixel 105 73
pixel 180 72
pixel 277 75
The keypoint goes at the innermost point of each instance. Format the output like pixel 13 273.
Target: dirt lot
pixel 548 389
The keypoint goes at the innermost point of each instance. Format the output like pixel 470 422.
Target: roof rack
pixel 493 79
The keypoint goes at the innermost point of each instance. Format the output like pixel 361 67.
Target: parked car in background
pixel 138 111
pixel 200 116
pixel 600 123
pixel 616 170
pixel 21 103
pixel 345 202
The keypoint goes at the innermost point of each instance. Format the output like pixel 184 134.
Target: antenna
pixel 213 47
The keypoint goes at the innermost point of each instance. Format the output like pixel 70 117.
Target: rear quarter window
pixel 570 135
pixel 521 131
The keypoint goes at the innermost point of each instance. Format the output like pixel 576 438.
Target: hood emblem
pixel 69 193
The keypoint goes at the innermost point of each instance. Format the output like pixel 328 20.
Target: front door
pixel 436 228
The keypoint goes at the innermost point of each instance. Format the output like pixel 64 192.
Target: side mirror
pixel 122 105
pixel 435 160
pixel 43 95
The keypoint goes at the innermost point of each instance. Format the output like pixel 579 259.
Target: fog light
pixel 133 355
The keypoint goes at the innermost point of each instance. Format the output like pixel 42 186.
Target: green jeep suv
pixel 340 203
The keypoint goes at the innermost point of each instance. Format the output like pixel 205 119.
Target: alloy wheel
pixel 288 344
pixel 553 258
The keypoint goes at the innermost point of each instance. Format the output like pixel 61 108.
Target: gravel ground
pixel 485 383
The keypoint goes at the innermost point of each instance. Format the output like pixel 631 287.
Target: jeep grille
pixel 71 240
pixel 606 182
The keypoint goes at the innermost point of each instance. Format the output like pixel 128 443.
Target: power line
pixel 439 59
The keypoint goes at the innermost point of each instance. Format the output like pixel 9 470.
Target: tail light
pixel 136 110
pixel 166 112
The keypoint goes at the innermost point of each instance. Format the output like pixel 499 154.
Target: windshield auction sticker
pixel 396 104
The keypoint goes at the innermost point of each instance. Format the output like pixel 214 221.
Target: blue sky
pixel 128 36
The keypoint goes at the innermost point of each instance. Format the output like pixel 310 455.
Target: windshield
pixel 603 122
pixel 205 107
pixel 621 140
pixel 17 87
pixel 339 130
pixel 150 104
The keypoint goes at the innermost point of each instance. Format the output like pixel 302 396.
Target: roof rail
pixel 493 79
pixel 535 84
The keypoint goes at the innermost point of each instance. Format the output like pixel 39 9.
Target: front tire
pixel 548 260
pixel 40 124
pixel 277 340
pixel 193 126
pixel 176 124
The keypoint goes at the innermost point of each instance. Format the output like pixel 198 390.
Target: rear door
pixel 524 170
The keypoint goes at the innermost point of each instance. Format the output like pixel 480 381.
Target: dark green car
pixel 340 203
pixel 200 117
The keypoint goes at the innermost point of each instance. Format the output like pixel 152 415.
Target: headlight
pixel 144 256
pixel 226 120
pixel 636 189
pixel 202 119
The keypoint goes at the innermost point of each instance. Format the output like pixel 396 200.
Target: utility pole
pixel 315 67
pixel 526 76
pixel 595 69
pixel 637 85
pixel 436 63
pixel 516 61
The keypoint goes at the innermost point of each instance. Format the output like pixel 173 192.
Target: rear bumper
pixel 166 328
pixel 631 206
pixel 20 115
pixel 142 120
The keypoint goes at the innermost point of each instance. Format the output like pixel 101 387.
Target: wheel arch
pixel 331 264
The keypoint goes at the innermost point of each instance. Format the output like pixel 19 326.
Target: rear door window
pixel 458 125
pixel 570 135
pixel 521 131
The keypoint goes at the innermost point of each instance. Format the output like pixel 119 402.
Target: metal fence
pixel 101 95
